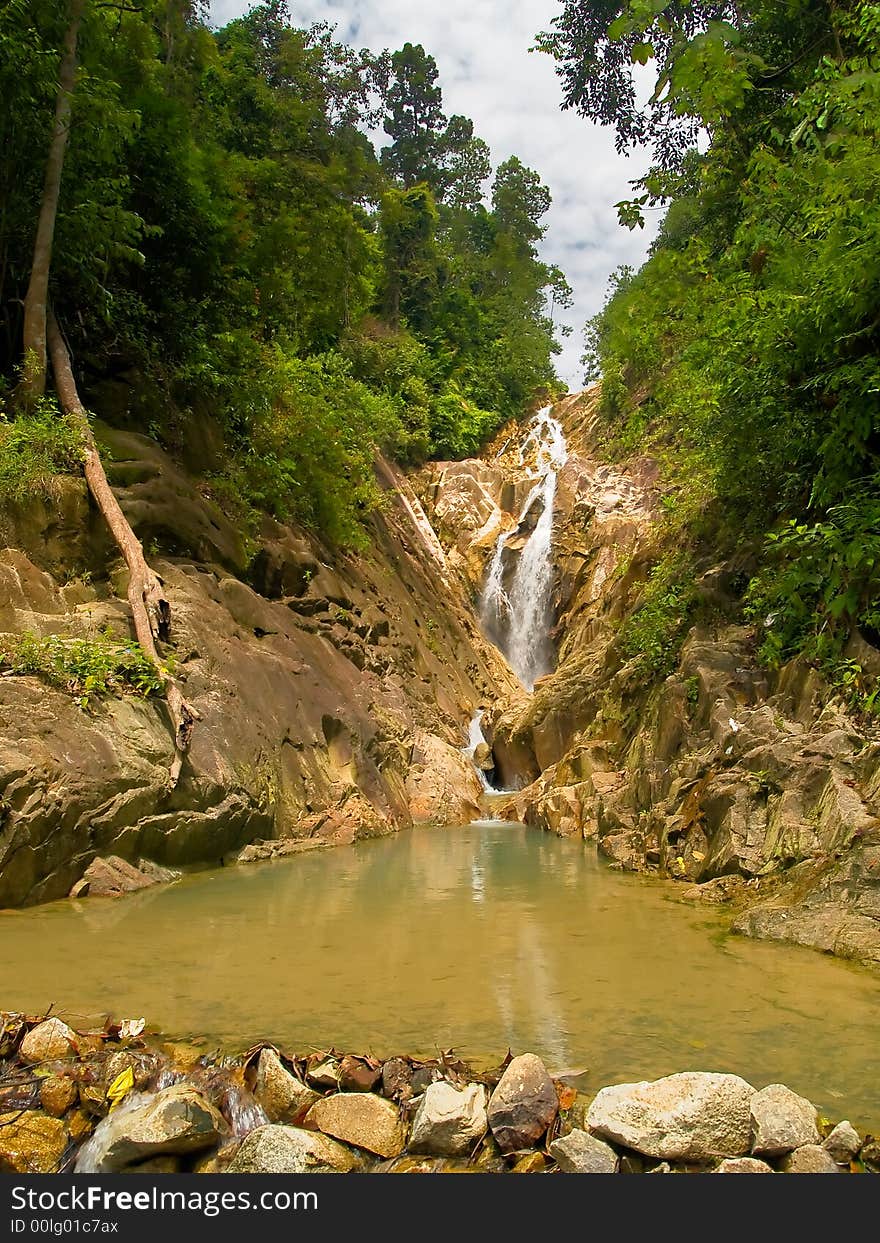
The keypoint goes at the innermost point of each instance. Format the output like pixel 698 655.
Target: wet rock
pixel 58 1094
pixel 397 1078
pixel 810 1159
pixel 361 1119
pixel 781 1121
pixel 282 1096
pixel 843 1143
pixel 177 1120
pixel 357 1075
pixel 154 1165
pixel 31 1143
pixel 277 1149
pixel 144 1065
pixel 694 1116
pixel 531 1163
pixel 744 1165
pixel 869 1154
pixel 523 1105
pixel 48 1042
pixel 449 1122
pixel 581 1153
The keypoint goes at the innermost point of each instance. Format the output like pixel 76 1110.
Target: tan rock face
pixel 314 677
pixel 441 785
pixel 283 1097
pixel 48 1041
pixel 361 1119
pixel 31 1143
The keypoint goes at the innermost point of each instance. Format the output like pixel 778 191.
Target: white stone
pixel 781 1121
pixel 449 1122
pixel 694 1116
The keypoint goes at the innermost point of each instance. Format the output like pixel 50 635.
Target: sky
pixel 514 99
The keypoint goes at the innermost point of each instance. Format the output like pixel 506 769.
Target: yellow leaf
pixel 122 1084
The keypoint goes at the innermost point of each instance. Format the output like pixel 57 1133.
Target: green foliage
pixel 228 240
pixel 86 668
pixel 35 448
pixel 820 581
pixel 307 452
pixel 746 352
pixel 655 631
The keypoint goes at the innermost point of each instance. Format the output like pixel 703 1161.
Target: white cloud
pixel 514 97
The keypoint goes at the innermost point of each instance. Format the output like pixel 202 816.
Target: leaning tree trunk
pixel 33 378
pixel 149 606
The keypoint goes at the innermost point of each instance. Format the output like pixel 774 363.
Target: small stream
pixel 479 937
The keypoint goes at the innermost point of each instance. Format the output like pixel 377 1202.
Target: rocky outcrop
pixel 324 682
pixel 754 790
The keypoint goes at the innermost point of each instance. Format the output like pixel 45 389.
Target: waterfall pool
pixel 480 937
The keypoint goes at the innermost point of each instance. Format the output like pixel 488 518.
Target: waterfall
pixel 476 738
pixel 518 618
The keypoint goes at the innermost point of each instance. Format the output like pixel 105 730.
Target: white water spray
pixel 519 619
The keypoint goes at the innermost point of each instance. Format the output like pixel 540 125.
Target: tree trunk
pixel 149 606
pixel 33 378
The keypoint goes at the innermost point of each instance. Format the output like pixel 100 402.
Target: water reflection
pixel 478 937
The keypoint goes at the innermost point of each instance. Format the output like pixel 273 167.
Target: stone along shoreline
pixel 115 1101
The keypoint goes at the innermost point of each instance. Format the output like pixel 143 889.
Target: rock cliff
pixel 755 789
pixel 334 690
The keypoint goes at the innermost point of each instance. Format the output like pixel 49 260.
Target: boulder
pixel 31 1143
pixel 110 878
pixel 441 784
pixel 449 1122
pixel 361 1119
pixel 578 1152
pixel 47 1042
pixel 809 1159
pixel 781 1121
pixel 843 1143
pixel 523 1105
pixel 276 1149
pixel 744 1165
pixel 282 1096
pixel 177 1121
pixel 694 1116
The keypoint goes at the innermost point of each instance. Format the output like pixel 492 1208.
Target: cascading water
pixel 518 618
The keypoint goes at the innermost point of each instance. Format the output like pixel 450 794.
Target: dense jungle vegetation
pixel 233 239
pixel 745 351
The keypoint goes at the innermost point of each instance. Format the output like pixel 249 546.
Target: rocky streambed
pixel 113 1101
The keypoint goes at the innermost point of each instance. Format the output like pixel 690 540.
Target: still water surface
pixel 481 938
